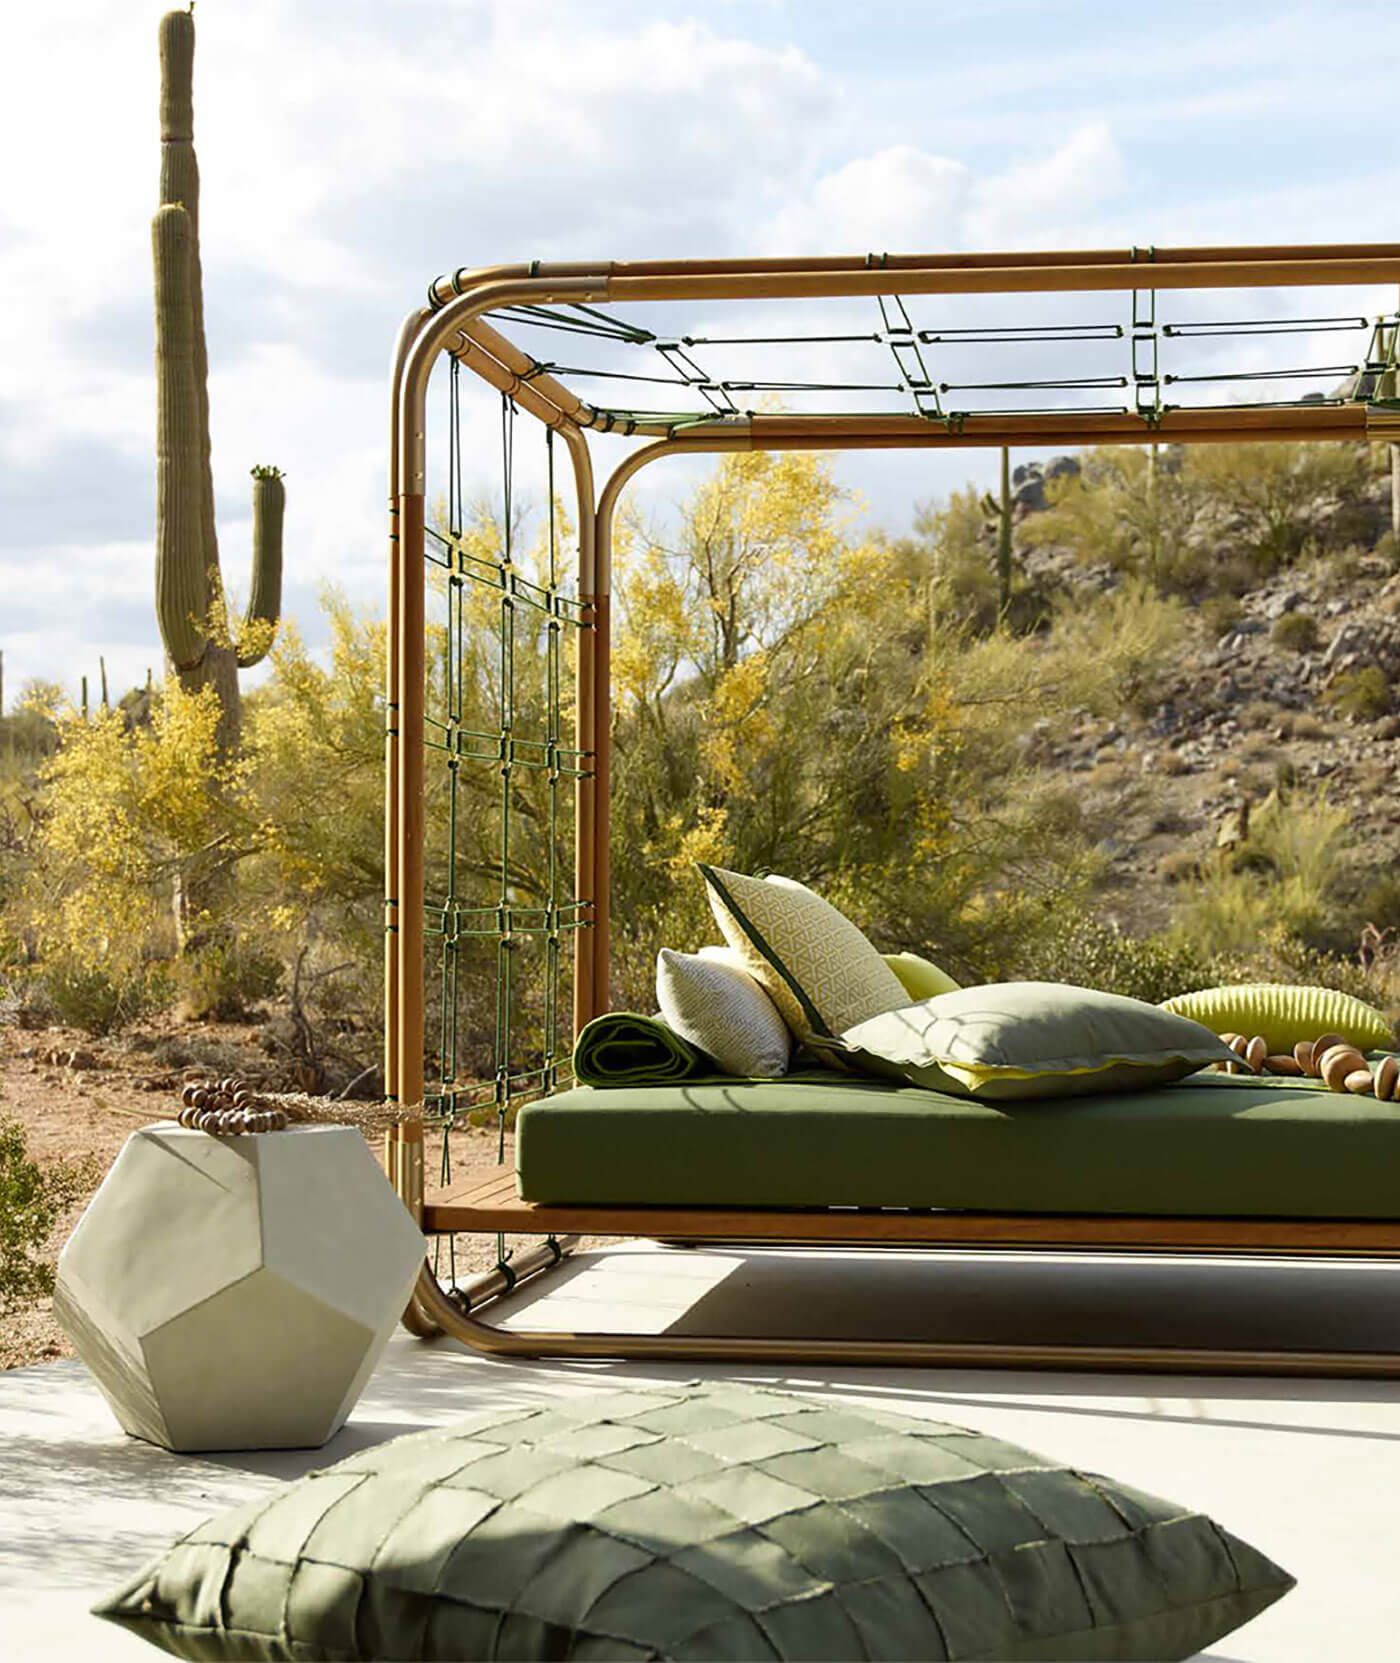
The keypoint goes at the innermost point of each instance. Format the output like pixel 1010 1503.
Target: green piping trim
pixel 756 936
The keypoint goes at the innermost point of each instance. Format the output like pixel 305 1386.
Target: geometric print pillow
pixel 709 1521
pixel 821 972
pixel 709 999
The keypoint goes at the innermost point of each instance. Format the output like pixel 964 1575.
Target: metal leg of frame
pixel 482 1336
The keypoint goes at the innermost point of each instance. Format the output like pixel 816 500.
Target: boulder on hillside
pixel 1029 480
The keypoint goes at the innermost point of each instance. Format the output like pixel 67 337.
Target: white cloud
pixel 903 199
pixel 898 199
pixel 1068 184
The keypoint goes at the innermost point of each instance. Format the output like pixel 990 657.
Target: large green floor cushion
pixel 707 1522
pixel 1212 1146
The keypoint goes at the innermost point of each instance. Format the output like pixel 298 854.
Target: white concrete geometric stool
pixel 236 1292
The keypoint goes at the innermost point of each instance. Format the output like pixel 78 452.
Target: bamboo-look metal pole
pixel 467 280
pixel 890 432
pixel 1150 1359
pixel 1004 258
pixel 505 380
pixel 970 430
pixel 825 284
pixel 403 1152
pixel 520 363
pixel 411 325
pixel 600 938
pixel 444 289
pixel 409 773
pixel 591 682
pixel 423 338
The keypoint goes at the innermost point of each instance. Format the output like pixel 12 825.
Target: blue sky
pixel 350 151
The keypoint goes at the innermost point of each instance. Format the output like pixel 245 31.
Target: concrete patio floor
pixel 1307 1470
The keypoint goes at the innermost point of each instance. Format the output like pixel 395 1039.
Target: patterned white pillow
pixel 709 999
pixel 816 966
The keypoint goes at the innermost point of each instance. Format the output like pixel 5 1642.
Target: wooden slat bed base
pixel 494 1206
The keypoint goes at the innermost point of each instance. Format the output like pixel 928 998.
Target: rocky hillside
pixel 1289 685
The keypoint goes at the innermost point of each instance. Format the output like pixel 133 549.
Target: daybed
pixel 780 1163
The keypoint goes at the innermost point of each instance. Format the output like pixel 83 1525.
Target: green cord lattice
pixel 500 778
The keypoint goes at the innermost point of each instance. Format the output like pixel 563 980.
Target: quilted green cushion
pixel 700 1521
pixel 1285 1014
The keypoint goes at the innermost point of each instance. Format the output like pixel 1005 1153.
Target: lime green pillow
pixel 919 977
pixel 1284 1014
pixel 1032 1039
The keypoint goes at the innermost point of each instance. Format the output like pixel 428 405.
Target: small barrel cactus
pixel 202 648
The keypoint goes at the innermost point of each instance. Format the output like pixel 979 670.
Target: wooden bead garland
pixel 1330 1058
pixel 228 1108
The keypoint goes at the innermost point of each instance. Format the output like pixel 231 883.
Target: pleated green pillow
pixel 707 1522
pixel 1284 1014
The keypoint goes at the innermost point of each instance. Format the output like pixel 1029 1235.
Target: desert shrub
pixel 100 999
pixel 1304 725
pixel 1263 497
pixel 1279 957
pixel 1219 614
pixel 963 576
pixel 225 978
pixel 1179 866
pixel 134 817
pixel 1302 963
pixel 1379 903
pixel 1388 549
pixel 1089 952
pixel 1296 632
pixel 1121 652
pixel 1360 695
pixel 1125 510
pixel 1113 775
pixel 1287 882
pixel 1258 714
pixel 32 1200
pixel 1228 911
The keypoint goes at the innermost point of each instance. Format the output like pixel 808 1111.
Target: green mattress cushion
pixel 1215 1145
pixel 703 1521
pixel 1032 1039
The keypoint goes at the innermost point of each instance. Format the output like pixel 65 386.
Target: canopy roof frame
pixel 456 323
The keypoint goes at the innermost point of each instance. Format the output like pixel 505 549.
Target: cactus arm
pixel 265 600
pixel 182 580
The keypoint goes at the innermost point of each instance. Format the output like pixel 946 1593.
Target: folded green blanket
pixel 623 1048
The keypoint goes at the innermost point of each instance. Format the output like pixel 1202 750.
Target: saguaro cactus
pixel 202 648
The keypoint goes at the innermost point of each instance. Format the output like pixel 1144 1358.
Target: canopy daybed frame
pixel 465 322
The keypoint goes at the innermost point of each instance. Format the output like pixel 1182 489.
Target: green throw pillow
pixel 1285 1014
pixel 711 1521
pixel 1032 1039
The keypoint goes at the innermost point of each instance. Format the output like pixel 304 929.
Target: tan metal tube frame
pixel 455 323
